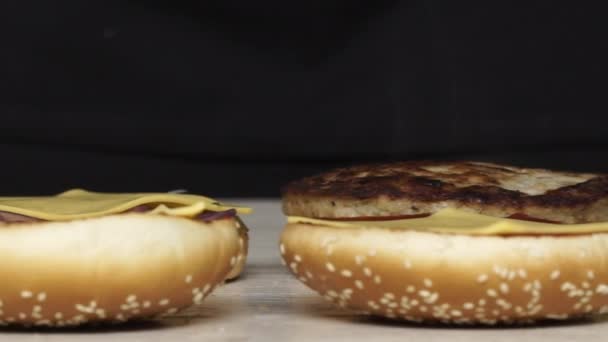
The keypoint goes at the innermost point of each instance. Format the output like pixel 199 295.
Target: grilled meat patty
pixel 424 187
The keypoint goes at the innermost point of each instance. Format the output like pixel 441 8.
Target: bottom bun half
pixel 111 269
pixel 457 279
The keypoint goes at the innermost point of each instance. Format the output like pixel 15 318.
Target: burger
pixel 451 242
pixel 83 257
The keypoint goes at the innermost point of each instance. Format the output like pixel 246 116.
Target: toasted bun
pixel 238 269
pixel 459 279
pixel 111 269
pixel 425 187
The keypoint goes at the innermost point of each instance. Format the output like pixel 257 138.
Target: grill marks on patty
pixel 425 187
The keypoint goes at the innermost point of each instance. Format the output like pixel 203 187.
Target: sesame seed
pixel 37 308
pixel 297 258
pixel 22 315
pixel 504 288
pixel 58 315
pixel 468 306
pixel 198 298
pixel 554 275
pixel 206 288
pixel 188 279
pixel 83 308
pixel 482 278
pixel 359 259
pixel 424 293
pixel 602 289
pixel 294 267
pixel 423 308
pixel 330 267
pixel 332 293
pixel 522 273
pixel 389 295
pixel 590 274
pixel 346 273
pixel 233 261
pixel 585 285
pixel 131 298
pixel 163 302
pixel 372 252
pixel 41 296
pixel 503 304
pixel 491 292
pixel 377 279
pixel 282 248
pixel 432 298
pixel 411 289
pixel 482 302
pixel 146 304
pixel 309 275
pixel 196 290
pixel 407 264
pixel 456 313
pixel 428 282
pixel 26 294
pixel 359 284
pixel 172 311
pixel 367 271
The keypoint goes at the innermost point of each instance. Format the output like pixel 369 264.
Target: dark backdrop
pixel 237 97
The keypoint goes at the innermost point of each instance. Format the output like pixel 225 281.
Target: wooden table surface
pixel 268 304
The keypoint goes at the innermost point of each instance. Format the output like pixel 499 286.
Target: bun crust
pixel 238 269
pixel 425 187
pixel 111 269
pixel 460 279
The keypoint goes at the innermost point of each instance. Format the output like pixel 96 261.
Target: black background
pixel 235 97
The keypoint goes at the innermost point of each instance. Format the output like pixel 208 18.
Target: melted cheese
pixel 78 204
pixel 454 221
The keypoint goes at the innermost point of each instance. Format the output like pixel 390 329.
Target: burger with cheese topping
pixel 451 242
pixel 83 257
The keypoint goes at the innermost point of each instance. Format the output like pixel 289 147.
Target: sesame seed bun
pixel 461 279
pixel 450 277
pixel 113 268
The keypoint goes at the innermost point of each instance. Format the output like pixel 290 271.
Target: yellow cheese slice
pixel 454 221
pixel 78 204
